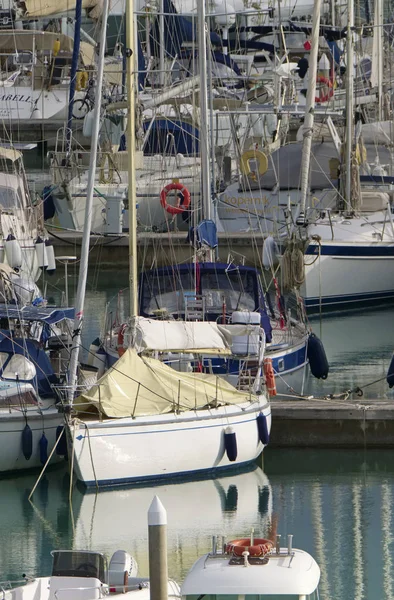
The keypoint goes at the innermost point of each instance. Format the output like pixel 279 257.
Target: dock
pixel 331 423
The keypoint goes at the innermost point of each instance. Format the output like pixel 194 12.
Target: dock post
pixel 157 534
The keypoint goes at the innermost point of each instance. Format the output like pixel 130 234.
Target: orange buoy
pixel 269 377
pixel 259 547
pixel 178 208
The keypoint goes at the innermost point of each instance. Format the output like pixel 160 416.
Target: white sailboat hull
pixel 165 446
pixel 24 103
pixel 12 425
pixel 348 273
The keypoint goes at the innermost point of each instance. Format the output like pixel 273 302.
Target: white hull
pixel 24 104
pixel 152 448
pixel 348 272
pixel 290 368
pixel 11 427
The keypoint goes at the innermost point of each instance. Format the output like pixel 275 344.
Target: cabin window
pixel 9 198
pixel 234 288
pixel 166 292
pixel 78 564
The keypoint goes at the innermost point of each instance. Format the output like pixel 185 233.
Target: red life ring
pixel 121 348
pixel 330 92
pixel 179 208
pixel 269 377
pixel 260 547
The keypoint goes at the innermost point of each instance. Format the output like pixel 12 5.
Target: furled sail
pixel 141 386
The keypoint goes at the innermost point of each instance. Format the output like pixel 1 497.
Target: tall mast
pixel 73 74
pixel 349 102
pixel 83 267
pixel 204 142
pixel 130 82
pixel 205 150
pixel 309 112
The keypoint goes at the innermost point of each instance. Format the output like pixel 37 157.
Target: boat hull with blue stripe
pixel 348 273
pixel 168 446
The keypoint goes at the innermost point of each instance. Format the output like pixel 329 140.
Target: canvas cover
pixel 201 337
pixel 40 8
pixel 137 386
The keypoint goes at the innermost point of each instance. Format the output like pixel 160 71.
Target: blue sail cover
pixel 45 375
pixel 172 137
pixel 177 30
pixel 47 314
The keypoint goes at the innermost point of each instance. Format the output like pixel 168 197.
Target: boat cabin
pixel 276 574
pixel 202 292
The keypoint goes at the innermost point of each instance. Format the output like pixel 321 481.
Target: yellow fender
pixel 256 155
pixel 361 153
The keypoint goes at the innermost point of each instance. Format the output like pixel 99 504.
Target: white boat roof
pixel 296 574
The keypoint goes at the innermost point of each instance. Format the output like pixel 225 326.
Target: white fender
pixel 41 253
pixel 50 257
pixel 13 252
pixel 88 120
pixel 270 253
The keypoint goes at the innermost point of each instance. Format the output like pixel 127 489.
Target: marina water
pixel 336 503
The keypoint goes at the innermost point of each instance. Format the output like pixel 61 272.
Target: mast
pixel 377 55
pixel 83 267
pixel 73 74
pixel 204 142
pixel 130 144
pixel 205 151
pixel 349 103
pixel 309 112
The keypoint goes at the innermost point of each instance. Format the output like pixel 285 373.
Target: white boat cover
pixel 179 336
pixel 137 386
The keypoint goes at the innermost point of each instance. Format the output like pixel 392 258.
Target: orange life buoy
pixel 121 348
pixel 260 547
pixel 269 377
pixel 179 208
pixel 330 91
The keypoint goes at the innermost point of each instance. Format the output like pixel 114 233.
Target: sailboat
pixel 144 420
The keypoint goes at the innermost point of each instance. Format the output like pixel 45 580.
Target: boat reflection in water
pixel 196 510
pixel 359 346
pixel 33 529
pixel 338 504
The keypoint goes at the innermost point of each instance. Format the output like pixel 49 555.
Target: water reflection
pixel 359 346
pixel 228 506
pixel 32 529
pixel 337 504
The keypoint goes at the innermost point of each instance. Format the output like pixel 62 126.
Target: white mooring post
pixel 157 534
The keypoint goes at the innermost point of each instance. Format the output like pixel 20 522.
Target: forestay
pixel 142 386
